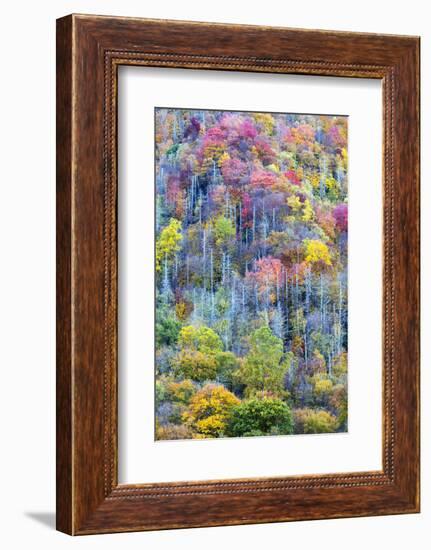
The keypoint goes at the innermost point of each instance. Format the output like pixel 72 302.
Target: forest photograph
pixel 251 259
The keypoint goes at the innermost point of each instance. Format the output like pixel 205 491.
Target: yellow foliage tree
pixel 322 385
pixel 200 338
pixel 181 391
pixel 307 211
pixel 316 251
pixel 315 180
pixel 266 120
pixel 183 308
pixel 209 410
pixel 274 168
pixel 212 153
pixel 310 421
pixel 294 203
pixel 168 242
pixel 340 365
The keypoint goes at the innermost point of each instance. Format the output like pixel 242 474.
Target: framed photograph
pixel 237 274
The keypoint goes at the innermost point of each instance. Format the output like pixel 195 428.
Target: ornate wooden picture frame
pixel 89 51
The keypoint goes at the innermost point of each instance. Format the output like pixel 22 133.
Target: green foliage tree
pixel 224 230
pixel 167 330
pixel 221 301
pixel 161 390
pixel 227 363
pixel 263 369
pixel 201 339
pixel 195 365
pixel 199 349
pixel 339 403
pixel 309 421
pixel 182 391
pixel 261 417
pixel 340 365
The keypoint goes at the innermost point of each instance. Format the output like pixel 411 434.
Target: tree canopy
pixel 251 254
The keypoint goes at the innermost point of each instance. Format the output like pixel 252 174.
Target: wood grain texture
pixel 90 49
pixel 64 497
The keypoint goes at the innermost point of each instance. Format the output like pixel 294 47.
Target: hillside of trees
pixel 251 274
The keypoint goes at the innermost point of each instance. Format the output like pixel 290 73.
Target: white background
pixel 141 458
pixel 27 115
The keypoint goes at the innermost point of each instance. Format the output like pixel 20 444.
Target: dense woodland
pixel 251 274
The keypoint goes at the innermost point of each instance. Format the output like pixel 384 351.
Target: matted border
pixel 112 61
pixel 90 49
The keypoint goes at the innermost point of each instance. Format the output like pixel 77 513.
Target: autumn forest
pixel 251 274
